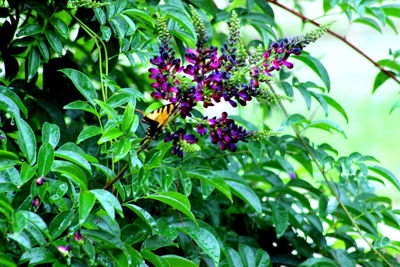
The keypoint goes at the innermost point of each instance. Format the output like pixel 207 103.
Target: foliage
pixel 78 187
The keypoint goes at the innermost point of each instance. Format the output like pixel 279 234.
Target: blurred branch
pixel 343 39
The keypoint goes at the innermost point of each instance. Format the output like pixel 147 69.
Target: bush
pixel 85 182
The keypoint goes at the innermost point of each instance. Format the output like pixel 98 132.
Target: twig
pixel 343 39
pixel 327 180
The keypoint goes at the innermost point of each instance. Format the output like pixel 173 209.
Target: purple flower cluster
pixel 210 77
pixel 224 132
pixel 179 139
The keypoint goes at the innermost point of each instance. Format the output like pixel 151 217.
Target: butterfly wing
pixel 158 119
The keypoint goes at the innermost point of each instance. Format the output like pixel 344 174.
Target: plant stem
pixel 343 39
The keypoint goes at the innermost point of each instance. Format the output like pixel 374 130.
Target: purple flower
pixel 78 236
pixel 40 180
pixel 179 139
pixel 36 201
pixel 64 250
pixel 226 132
pixel 201 129
pixel 292 175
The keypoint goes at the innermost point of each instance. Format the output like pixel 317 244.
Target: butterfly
pixel 157 119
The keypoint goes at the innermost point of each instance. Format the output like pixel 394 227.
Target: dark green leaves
pixel 26 140
pixel 82 83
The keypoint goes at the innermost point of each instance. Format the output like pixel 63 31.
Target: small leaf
pixel 385 173
pixel 88 132
pixel 60 27
pixel 247 255
pixel 332 102
pixel 245 193
pixel 392 10
pixel 29 30
pixel 33 62
pixel 82 83
pixel 395 106
pixel 54 42
pixel 109 134
pixel 327 126
pixel 140 14
pixel 144 215
pixel 7 261
pixel 128 117
pixel 80 105
pixel 86 203
pixel 280 218
pixel 26 140
pixel 45 159
pixel 50 134
pixel 317 67
pixel 107 109
pixel 380 78
pixel 174 260
pixel 205 240
pixel 75 158
pixel 295 118
pixel 71 171
pixel 108 201
pixel 233 258
pixel 369 22
pixel 104 236
pixel 175 200
pixel 60 223
pixel 44 50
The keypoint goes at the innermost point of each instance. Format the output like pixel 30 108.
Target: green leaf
pixel 109 134
pixel 105 237
pixel 233 258
pixel 175 200
pixel 33 62
pixel 215 181
pixel 144 215
pixel 385 173
pixel 295 118
pixel 27 172
pixel 266 8
pixel 80 105
pixel 154 259
pixel 280 218
pixel 21 238
pixel 45 159
pixel 5 207
pixel 9 93
pixel 245 193
pixel 108 201
pixel 54 42
pixel 37 255
pixel 7 159
pixel 75 158
pixel 332 102
pixel 123 147
pixel 71 171
pixel 390 64
pixel 247 255
pixel 392 10
pixel 317 67
pixel 395 106
pixel 7 261
pixel 369 22
pixel 60 27
pixel 43 50
pixel 35 219
pixel 82 83
pixel 319 262
pixel 60 223
pixel 107 109
pixel 7 105
pixel 26 140
pixel 128 117
pixel 140 14
pixel 380 78
pixel 178 15
pixel 88 132
pixel 86 203
pixel 29 30
pixel 326 126
pixel 262 258
pixel 50 134
pixel 174 260
pixel 205 240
